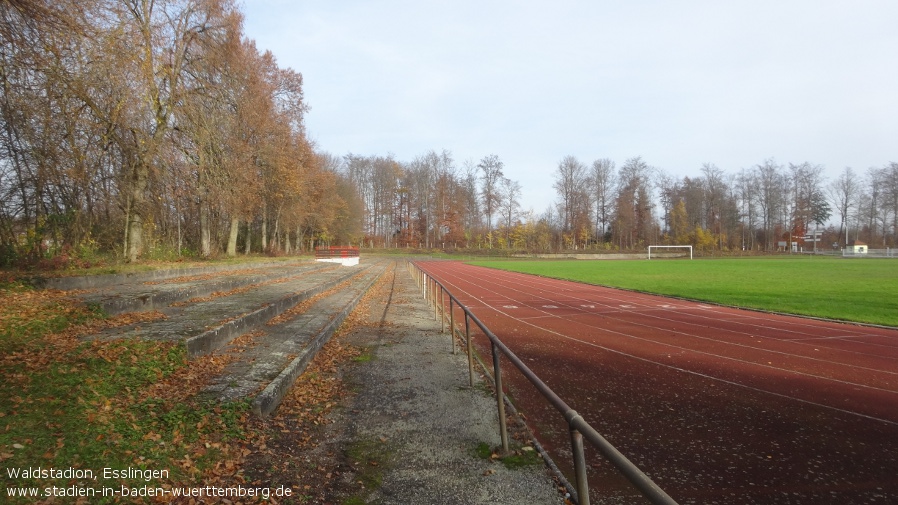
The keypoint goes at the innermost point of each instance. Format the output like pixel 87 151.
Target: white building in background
pixel 857 247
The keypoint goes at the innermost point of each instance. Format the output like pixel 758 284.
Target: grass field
pixel 861 290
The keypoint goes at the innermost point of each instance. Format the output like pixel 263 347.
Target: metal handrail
pixel 434 291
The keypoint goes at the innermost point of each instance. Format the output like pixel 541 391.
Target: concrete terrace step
pixel 117 299
pixel 274 359
pixel 107 280
pixel 210 324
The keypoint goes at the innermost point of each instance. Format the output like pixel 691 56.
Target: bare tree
pixel 668 193
pixel 510 204
pixel 570 181
pixel 491 175
pixel 721 208
pixel 715 199
pixel 746 191
pixel 806 183
pixel 771 197
pixel 469 202
pixel 601 182
pixel 890 185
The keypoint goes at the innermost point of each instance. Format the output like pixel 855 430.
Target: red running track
pixel 715 404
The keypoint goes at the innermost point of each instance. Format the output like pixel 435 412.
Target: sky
pixel 680 84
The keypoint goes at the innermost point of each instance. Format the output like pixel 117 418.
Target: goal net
pixel 669 247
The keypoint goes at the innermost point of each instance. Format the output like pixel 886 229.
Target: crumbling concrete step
pixel 207 325
pixel 106 280
pixel 208 341
pixel 275 359
pixel 141 297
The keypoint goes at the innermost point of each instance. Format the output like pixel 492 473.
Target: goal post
pixel 670 247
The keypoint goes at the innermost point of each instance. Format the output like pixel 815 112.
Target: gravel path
pixel 417 418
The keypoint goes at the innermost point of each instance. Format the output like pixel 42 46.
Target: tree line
pixel 762 208
pixel 432 202
pixel 154 128
pixel 143 125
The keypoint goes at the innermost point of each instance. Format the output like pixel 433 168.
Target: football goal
pixel 670 247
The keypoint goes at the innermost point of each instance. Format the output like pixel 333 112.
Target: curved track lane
pixel 717 405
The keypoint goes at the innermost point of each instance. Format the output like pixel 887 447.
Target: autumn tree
pixel 349 223
pixel 679 225
pixel 51 150
pixel 633 224
pixel 168 36
pixel 419 179
pixel 147 120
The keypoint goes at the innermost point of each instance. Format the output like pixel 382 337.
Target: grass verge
pixel 94 405
pixel 517 457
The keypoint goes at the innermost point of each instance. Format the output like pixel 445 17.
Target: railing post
pixel 442 309
pixel 579 462
pixel 433 296
pixel 452 327
pixel 500 400
pixel 469 348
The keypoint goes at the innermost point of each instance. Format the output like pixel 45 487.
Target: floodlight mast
pixel 671 247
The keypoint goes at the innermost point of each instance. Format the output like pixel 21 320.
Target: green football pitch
pixel 861 290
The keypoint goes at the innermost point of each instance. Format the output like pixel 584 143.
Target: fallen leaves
pixel 47 348
pixel 189 380
pixel 238 290
pixel 205 277
pixel 301 308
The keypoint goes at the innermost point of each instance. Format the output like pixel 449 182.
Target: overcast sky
pixel 678 83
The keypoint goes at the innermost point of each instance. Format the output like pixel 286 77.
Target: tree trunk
pixel 137 206
pixel 264 229
pixel 277 232
pixel 180 239
pixel 205 232
pixel 232 239
pixel 249 235
pixel 125 241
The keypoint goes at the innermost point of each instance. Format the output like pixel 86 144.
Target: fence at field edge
pixel 336 252
pixel 437 294
pixel 346 256
pixel 888 252
pixel 871 253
